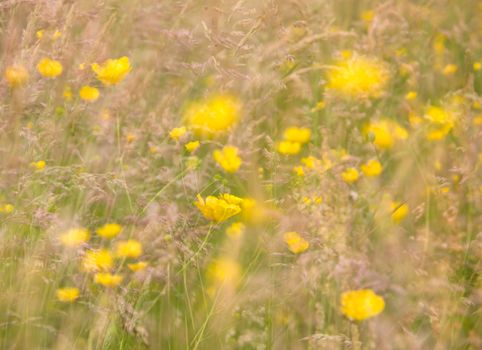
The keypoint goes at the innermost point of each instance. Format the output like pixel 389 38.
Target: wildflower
pixel 7 208
pixel 361 304
pixel 350 175
pixel 299 170
pixel 95 260
pixel 296 243
pixel 288 147
pixel 109 230
pixel 112 71
pixel 450 69
pixel 358 76
pixel 384 133
pixel 228 158
pixel 89 93
pixel 235 230
pixel 49 68
pixel 218 209
pixel 294 134
pixel 224 271
pixel 411 95
pixel 67 294
pixel 372 168
pixel 40 34
pixel 440 120
pixel 399 211
pixel 138 266
pixel 57 34
pixel 107 279
pixel 130 137
pixel 16 75
pixel 439 44
pixel 39 165
pixel 192 146
pixel 310 162
pixel 367 16
pixel 129 249
pixel 67 94
pixel 177 133
pixel 254 212
pixel 477 66
pixel 75 237
pixel 213 115
pixel 320 105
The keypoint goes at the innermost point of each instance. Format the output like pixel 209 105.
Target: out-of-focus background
pixel 283 174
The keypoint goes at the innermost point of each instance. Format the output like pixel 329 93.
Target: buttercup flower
pixel 177 133
pixel 89 93
pixel 107 279
pixel 75 237
pixel 7 208
pixel 228 158
pixel 350 175
pixel 213 115
pixel 138 266
pixel 358 76
pixel 67 294
pixel 361 304
pixel 49 68
pixel 192 146
pixel 95 260
pixel 236 230
pixel 296 243
pixel 372 168
pixel 294 134
pixel 129 249
pixel 109 230
pixel 112 71
pixel 288 147
pixel 384 133
pixel 224 271
pixel 440 122
pixel 39 165
pixel 16 75
pixel 218 209
pixel 399 211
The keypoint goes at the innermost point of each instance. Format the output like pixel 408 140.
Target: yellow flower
pixel 288 147
pixel 75 237
pixel 67 94
pixel 112 71
pixel 39 165
pixel 477 66
pixel 228 158
pixel 310 162
pixel 367 16
pixel 95 260
pixel 294 134
pixel 399 211
pixel 40 34
pixel 358 76
pixel 192 146
pixel 138 266
pixel 177 133
pixel 109 230
pixel 49 68
pixel 350 175
pixel 7 208
pixel 361 304
pixel 384 133
pixel 68 294
pixel 320 105
pixel 129 249
pixel 440 122
pixel 450 69
pixel 296 243
pixel 16 75
pixel 372 168
pixel 57 34
pixel 213 115
pixel 89 93
pixel 411 95
pixel 299 171
pixel 108 279
pixel 218 209
pixel 235 230
pixel 224 271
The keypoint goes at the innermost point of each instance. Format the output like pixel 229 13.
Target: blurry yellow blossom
pixel 399 211
pixel 411 95
pixel 311 162
pixel 212 116
pixel 192 146
pixel 109 230
pixel 7 208
pixel 288 147
pixel 108 279
pixel 235 230
pixel 177 133
pixel 384 133
pixel 39 165
pixel 49 68
pixel 450 69
pixel 57 34
pixel 75 237
pixel 367 16
pixel 296 243
pixel 319 106
pixel 477 120
pixel 218 209
pixel 441 121
pixel 372 168
pixel 224 271
pixel 228 158
pixel 40 34
pixel 350 175
pixel 138 266
pixel 299 170
pixel 129 249
pixel 254 212
pixel 67 93
pixel 95 260
pixel 89 93
pixel 358 76
pixel 299 135
pixel 112 71
pixel 67 294
pixel 477 66
pixel 361 304
pixel 16 75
